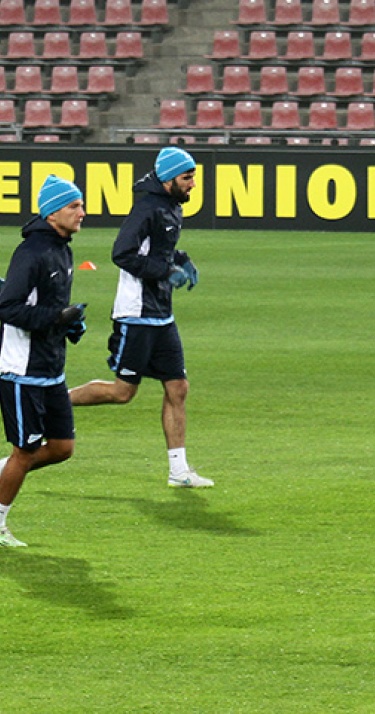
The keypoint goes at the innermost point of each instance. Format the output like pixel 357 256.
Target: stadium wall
pixel 259 188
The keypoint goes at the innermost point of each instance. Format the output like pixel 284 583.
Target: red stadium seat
pixel 118 12
pixel 273 80
pixel 260 140
pixel 199 79
pixel 154 12
pixel 173 114
pixel 147 139
pixel 8 138
pixel 7 111
pixel 300 45
pixel 361 12
pixel 236 80
pixel 337 46
pixel 28 79
pixel 226 45
pixel 3 81
pixel 38 112
pixel 21 45
pixel 47 12
pixel 64 79
pixel 297 140
pixel 12 12
pixel 285 115
pixel 367 47
pixel 310 81
pixel 56 45
pixel 247 115
pixel 210 114
pixel 262 45
pixel 129 45
pixel 46 138
pixel 288 12
pixel 101 80
pixel 217 139
pixel 360 116
pixel 74 113
pixel 92 45
pixel 325 12
pixel 82 12
pixel 322 115
pixel 251 12
pixel 348 81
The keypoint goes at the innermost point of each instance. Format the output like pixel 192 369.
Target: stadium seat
pixel 47 12
pixel 297 140
pixel 182 139
pixel 210 114
pixel 251 12
pixel 56 45
pixel 74 113
pixel 300 45
pixel 325 12
pixel 7 111
pixel 261 140
pixel 322 115
pixel 217 139
pixel 147 139
pixel 288 12
pixel 12 12
pixel 128 45
pixel 310 81
pixel 28 79
pixel 82 12
pixel 199 79
pixel 154 12
pixel 361 12
pixel 247 115
pixel 46 138
pixel 173 114
pixel 348 81
pixel 273 80
pixel 236 80
pixel 38 112
pixel 370 141
pixel 337 46
pixel 101 80
pixel 3 80
pixel 21 45
pixel 118 12
pixel 285 115
pixel 262 45
pixel 8 138
pixel 367 45
pixel 64 79
pixel 360 115
pixel 226 45
pixel 92 45
pixel 340 141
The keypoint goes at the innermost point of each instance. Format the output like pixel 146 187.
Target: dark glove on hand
pixel 76 331
pixel 177 277
pixel 191 272
pixel 72 313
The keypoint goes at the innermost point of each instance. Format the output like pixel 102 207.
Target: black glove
pixel 76 331
pixel 72 313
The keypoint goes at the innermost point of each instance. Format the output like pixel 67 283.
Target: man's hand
pixel 177 277
pixel 191 272
pixel 72 313
pixel 76 331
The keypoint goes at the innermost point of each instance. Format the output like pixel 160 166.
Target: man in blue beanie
pixel 36 318
pixel 145 341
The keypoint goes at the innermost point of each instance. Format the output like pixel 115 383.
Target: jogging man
pixel 145 341
pixel 36 320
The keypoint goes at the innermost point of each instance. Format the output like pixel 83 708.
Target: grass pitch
pixel 256 596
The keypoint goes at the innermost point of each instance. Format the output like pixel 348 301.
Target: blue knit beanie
pixel 171 162
pixel 55 194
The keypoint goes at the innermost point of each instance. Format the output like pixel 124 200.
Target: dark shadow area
pixel 64 582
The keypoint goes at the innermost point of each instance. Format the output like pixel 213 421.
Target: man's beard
pixel 178 194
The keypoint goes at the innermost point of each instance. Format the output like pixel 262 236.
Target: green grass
pixel 257 596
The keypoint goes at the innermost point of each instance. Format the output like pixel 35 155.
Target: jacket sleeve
pixel 127 250
pixel 18 298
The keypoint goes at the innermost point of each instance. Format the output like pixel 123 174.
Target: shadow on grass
pixel 188 511
pixel 64 582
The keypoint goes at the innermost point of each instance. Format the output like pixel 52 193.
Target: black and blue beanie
pixel 55 194
pixel 171 162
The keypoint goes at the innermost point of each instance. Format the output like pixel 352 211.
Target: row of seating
pixel 252 114
pixel 84 12
pixel 302 44
pixel 39 113
pixel 297 12
pixel 305 81
pixel 64 79
pixel 58 45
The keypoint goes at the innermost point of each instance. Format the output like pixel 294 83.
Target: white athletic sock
pixel 177 461
pixel 4 510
